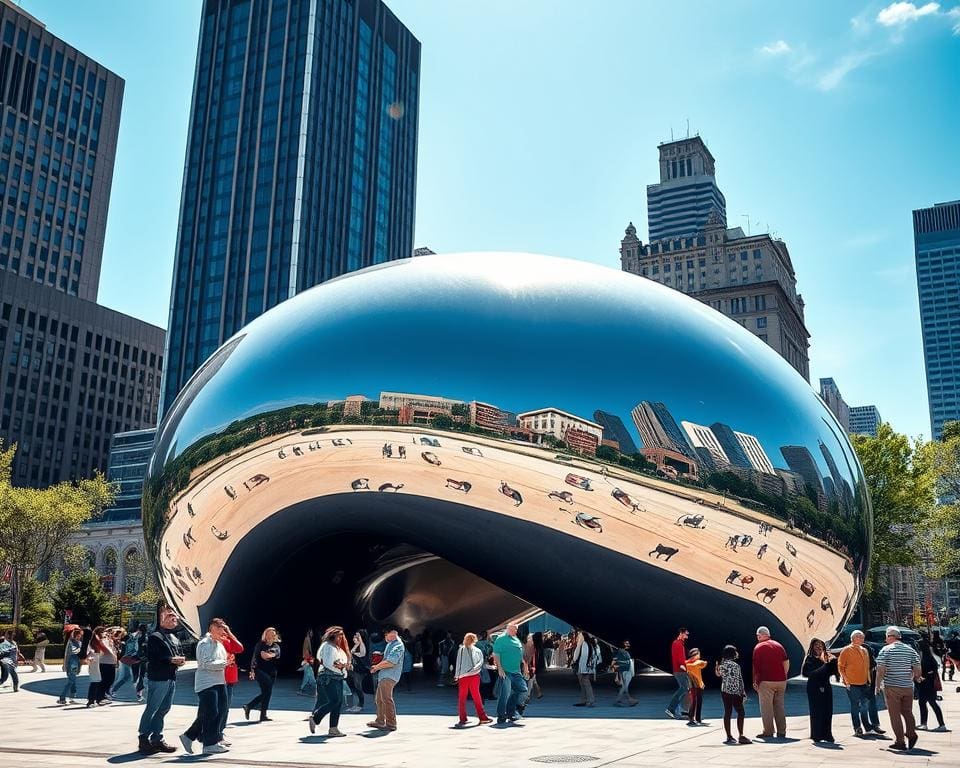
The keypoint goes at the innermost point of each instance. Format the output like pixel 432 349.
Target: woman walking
pixel 361 668
pixel 466 672
pixel 263 669
pixel 733 692
pixel 818 666
pixel 927 687
pixel 109 657
pixel 71 665
pixel 309 679
pixel 585 663
pixel 623 663
pixel 129 661
pixel 334 658
pixel 95 648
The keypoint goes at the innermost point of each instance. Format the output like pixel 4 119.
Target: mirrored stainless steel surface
pixel 453 440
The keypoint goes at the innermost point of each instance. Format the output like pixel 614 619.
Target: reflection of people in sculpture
pixel 785 568
pixel 624 499
pixel 230 491
pixel 767 594
pixel 190 510
pixel 297 450
pixel 742 580
pixel 791 549
pixel 218 533
pixel 390 487
pixel 509 492
pixel 387 451
pixel 810 617
pixel 361 484
pixel 402 450
pixel 430 458
pixel 825 605
pixel 565 496
pixel 762 551
pixel 472 451
pixel 691 521
pixel 459 485
pixel 588 521
pixel 197 576
pixel 578 481
pixel 282 454
pixel 342 441
pixel 166 550
pixel 732 543
pixel 660 549
pixel 188 538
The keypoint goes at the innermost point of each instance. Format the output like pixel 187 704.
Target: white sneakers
pixel 215 749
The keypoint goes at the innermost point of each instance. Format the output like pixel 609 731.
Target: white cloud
pixel 844 66
pixel 954 15
pixel 900 13
pixel 776 49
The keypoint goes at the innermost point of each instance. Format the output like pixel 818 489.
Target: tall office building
pixel 754 452
pixel 615 429
pixel 801 461
pixel 748 278
pixel 830 393
pixel 60 118
pixel 864 420
pixel 129 455
pixel 301 161
pixel 706 445
pixel 732 447
pixel 73 372
pixel 936 239
pixel 658 428
pixel 687 193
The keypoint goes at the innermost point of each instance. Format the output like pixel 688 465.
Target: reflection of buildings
pixel 864 420
pixel 658 428
pixel 912 591
pixel 488 416
pixel 731 445
pixel 615 430
pixel 353 405
pixel 754 452
pixel 830 393
pixel 671 463
pixel 417 409
pixel 843 493
pixel 936 238
pixel 706 445
pixel 801 461
pixel 300 165
pixel 581 435
pixel 749 278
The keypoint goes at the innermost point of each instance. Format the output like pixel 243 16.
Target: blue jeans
pixel 308 680
pixel 329 699
pixel 226 709
pixel 859 705
pixel 683 689
pixel 70 689
pixel 512 687
pixel 206 726
pixel 124 676
pixel 159 698
pixel 9 670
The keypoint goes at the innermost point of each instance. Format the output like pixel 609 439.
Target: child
pixel 694 666
pixel 732 691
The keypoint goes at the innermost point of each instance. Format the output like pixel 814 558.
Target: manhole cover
pixel 564 759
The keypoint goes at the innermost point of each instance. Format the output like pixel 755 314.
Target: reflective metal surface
pixel 453 440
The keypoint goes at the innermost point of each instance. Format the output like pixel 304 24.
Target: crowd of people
pixel 899 673
pixel 339 673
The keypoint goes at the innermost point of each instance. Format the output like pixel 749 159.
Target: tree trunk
pixel 16 595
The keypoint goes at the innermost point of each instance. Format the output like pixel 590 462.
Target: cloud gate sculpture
pixel 452 441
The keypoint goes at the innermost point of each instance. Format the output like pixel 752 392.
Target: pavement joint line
pixel 220 759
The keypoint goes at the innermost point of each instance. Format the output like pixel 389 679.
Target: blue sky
pixel 539 121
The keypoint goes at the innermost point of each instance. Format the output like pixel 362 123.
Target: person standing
pixel 210 685
pixel 488 673
pixel 163 661
pixel 678 659
pixel 334 657
pixel 466 672
pixel 95 649
pixel 770 667
pixel 952 654
pixel 361 667
pixel 898 665
pixel 818 666
pixel 927 687
pixel 508 656
pixel 309 679
pixel 40 651
pixel 531 657
pixel 855 666
pixel 263 669
pixel 109 658
pixel 9 651
pixel 695 667
pixel 129 661
pixel 623 663
pixel 585 662
pixel 733 692
pixel 71 665
pixel 233 647
pixel 388 671
pixel 445 649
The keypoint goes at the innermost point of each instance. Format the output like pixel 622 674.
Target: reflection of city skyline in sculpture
pixel 307 458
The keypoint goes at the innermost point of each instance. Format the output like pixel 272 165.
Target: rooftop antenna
pixel 688 127
pixel 747 217
pixel 671 133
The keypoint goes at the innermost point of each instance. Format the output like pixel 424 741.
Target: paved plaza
pixel 36 732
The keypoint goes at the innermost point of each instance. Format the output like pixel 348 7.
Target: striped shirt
pixel 897 660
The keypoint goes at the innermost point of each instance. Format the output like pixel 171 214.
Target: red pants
pixel 471 685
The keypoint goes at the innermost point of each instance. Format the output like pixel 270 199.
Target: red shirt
pixel 678 655
pixel 230 671
pixel 768 658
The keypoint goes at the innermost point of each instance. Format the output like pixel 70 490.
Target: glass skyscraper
pixel 301 162
pixel 936 237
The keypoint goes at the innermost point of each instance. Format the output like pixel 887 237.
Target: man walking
pixel 388 673
pixel 854 666
pixel 898 665
pixel 9 652
pixel 770 668
pixel 211 689
pixel 508 656
pixel 163 661
pixel 678 657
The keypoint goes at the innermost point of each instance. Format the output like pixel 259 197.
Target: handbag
pixel 129 660
pixel 937 684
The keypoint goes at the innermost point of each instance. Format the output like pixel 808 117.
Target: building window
pixel 761 322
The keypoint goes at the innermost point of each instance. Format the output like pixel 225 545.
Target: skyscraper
pixel 830 393
pixel 687 193
pixel 300 166
pixel 801 461
pixel 61 113
pixel 864 420
pixel 658 428
pixel 732 447
pixel 614 429
pixel 936 239
pixel 749 278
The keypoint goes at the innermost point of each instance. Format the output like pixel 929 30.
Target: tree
pixel 84 595
pixel 441 421
pixel 942 526
pixel 902 490
pixel 608 454
pixel 36 523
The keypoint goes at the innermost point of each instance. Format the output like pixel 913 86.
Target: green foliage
pixel 22 634
pixel 83 594
pixel 36 608
pixel 441 421
pixel 902 490
pixel 608 454
pixel 942 526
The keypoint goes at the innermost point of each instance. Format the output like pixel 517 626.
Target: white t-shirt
pixel 330 653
